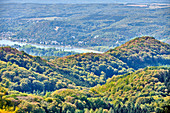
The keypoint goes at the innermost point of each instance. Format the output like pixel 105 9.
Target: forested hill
pixel 142 52
pixel 70 78
pixel 137 53
pixel 27 73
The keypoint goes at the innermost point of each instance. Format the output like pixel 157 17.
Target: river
pixel 78 50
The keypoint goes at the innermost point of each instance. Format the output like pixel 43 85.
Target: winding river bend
pixel 78 50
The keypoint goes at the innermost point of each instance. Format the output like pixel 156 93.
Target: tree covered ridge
pixel 143 51
pixel 145 43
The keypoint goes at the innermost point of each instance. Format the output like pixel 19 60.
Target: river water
pixel 78 50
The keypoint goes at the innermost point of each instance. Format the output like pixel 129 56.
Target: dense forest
pixel 88 82
pixel 83 25
pixel 142 91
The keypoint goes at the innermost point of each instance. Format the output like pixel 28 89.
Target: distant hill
pixel 83 25
pixel 142 52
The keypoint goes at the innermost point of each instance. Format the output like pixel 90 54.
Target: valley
pixel 83 25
